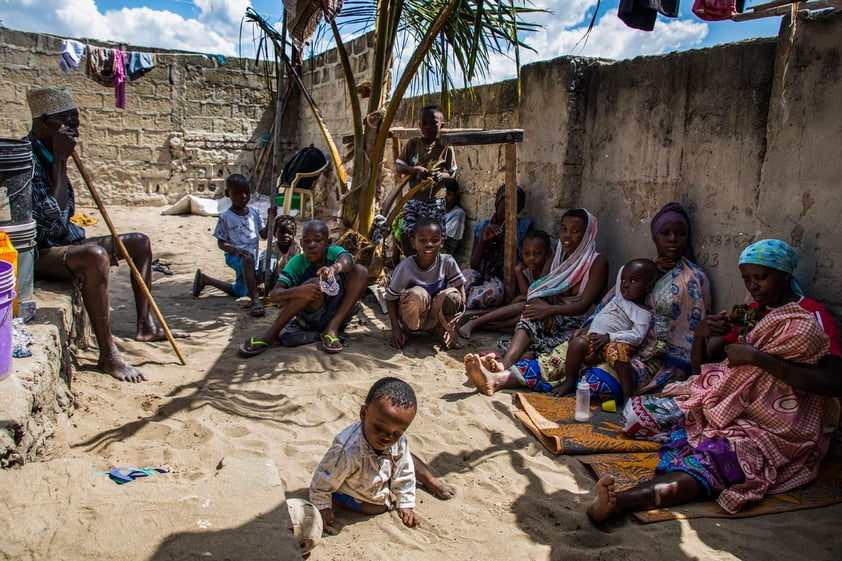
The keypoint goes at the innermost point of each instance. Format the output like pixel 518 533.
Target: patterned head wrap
pixel 774 254
pixel 568 270
pixel 674 212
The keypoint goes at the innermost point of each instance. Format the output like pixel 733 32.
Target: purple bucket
pixel 7 296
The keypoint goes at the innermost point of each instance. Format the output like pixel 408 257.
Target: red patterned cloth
pixel 777 432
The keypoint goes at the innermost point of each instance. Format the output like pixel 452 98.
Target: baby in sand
pixel 368 467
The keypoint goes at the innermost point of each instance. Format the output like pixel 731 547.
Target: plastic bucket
pixel 23 238
pixel 16 169
pixel 7 295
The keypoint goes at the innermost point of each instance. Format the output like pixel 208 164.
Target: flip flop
pixel 123 475
pixel 257 347
pixel 161 265
pixel 196 279
pixel 329 343
pixel 257 310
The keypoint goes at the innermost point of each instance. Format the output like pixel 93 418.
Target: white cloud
pixel 609 38
pixel 215 30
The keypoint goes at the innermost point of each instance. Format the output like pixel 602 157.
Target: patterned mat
pixel 551 420
pixel 631 468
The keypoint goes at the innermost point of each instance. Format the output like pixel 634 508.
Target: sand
pixel 514 500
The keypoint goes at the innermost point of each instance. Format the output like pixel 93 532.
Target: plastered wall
pixel 747 136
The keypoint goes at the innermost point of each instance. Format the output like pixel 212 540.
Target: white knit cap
pixel 49 101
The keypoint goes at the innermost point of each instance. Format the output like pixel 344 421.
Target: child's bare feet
pixel 491 363
pixel 604 505
pixel 439 489
pixel 484 379
pixel 466 329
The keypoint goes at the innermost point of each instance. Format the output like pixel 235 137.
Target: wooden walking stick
pixel 137 276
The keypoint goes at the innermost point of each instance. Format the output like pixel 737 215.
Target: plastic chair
pixel 289 192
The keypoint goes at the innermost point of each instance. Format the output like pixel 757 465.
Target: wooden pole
pixel 119 243
pixel 280 104
pixel 510 247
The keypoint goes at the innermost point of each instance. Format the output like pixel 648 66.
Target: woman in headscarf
pixel 680 300
pixel 746 426
pixel 557 304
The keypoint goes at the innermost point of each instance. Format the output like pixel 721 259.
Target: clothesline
pixel 110 66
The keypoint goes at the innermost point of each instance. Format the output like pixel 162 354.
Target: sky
pixel 216 27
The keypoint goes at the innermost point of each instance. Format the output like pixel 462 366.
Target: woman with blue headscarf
pixel 753 424
pixel 767 268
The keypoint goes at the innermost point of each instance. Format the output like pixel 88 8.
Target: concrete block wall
pixel 745 135
pixel 323 77
pixel 187 125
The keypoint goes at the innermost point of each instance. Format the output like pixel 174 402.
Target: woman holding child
pixel 753 424
pixel 679 299
pixel 557 304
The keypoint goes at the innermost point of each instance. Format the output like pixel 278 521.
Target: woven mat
pixel 551 420
pixel 631 468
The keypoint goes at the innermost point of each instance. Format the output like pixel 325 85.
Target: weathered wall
pixel 748 146
pixel 688 127
pixel 187 125
pixel 799 185
pixel 322 76
pixel 746 135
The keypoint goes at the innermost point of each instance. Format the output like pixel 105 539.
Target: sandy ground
pixel 514 501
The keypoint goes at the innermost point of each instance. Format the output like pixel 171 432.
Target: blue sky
pixel 213 26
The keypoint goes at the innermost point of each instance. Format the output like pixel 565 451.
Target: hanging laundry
pixel 71 54
pixel 108 67
pixel 716 10
pixel 101 65
pixel 641 14
pixel 303 17
pixel 119 79
pixel 140 64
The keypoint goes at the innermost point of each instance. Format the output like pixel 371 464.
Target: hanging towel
pixel 140 64
pixel 100 66
pixel 119 79
pixel 71 54
pixel 715 10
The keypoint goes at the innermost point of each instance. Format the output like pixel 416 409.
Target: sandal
pixel 257 310
pixel 197 287
pixel 161 265
pixel 252 347
pixel 331 344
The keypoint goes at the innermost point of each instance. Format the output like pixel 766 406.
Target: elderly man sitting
pixel 64 253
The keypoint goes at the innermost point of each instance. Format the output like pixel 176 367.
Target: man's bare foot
pixel 479 375
pixel 439 489
pixel 117 367
pixel 147 334
pixel 604 506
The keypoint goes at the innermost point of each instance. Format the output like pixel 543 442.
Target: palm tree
pixel 452 38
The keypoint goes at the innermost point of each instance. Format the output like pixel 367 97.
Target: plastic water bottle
pixel 583 400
